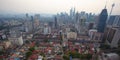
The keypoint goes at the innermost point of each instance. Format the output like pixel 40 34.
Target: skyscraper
pixel 102 20
pixel 36 21
pixel 32 21
pixel 82 25
pixel 56 24
pixel 114 21
pixel 72 14
pixel 46 29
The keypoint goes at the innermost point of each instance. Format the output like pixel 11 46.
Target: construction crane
pixel 109 18
pixel 111 11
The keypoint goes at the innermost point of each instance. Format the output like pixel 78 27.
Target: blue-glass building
pixel 102 20
pixel 111 20
pixel 114 21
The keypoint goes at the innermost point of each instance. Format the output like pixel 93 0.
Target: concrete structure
pixel 80 24
pixel 28 26
pixel 112 36
pixel 67 29
pixel 15 37
pixel 36 21
pixel 7 44
pixel 92 32
pixel 46 29
pixel 16 40
pixel 112 31
pixel 111 56
pixel 90 26
pixel 116 38
pixel 72 35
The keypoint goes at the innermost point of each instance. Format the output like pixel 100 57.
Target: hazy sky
pixel 57 6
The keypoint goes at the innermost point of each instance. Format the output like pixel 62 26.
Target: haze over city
pixel 59 30
pixel 57 6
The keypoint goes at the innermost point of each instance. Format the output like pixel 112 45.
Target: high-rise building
pixel 114 21
pixel 111 20
pixel 72 35
pixel 92 33
pixel 102 20
pixel 36 21
pixel 27 16
pixel 51 24
pixel 46 29
pixel 82 25
pixel 72 14
pixel 112 31
pixel 29 23
pixel 111 36
pixel 56 24
pixel 90 26
pixel 15 37
pixel 32 23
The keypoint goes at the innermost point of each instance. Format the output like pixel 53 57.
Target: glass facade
pixel 102 21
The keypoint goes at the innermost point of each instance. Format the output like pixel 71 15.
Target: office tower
pixel 72 14
pixel 114 21
pixel 36 21
pixel 91 33
pixel 28 27
pixel 112 31
pixel 82 25
pixel 77 17
pixel 116 38
pixel 90 26
pixel 46 29
pixel 80 22
pixel 102 20
pixel 56 24
pixel 112 36
pixel 111 20
pixel 27 16
pixel 51 24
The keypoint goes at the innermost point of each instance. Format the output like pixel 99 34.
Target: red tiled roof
pixel 33 44
pixel 33 57
pixel 35 51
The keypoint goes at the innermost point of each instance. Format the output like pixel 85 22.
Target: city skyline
pixel 57 6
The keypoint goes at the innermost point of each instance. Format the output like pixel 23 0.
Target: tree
pixel 88 56
pixel 28 54
pixel 104 46
pixel 46 40
pixel 74 54
pixel 1 52
pixel 32 49
pixel 42 54
pixel 27 42
pixel 65 57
